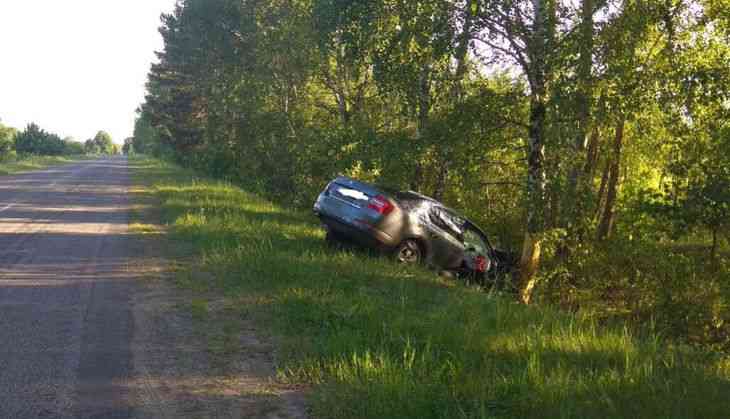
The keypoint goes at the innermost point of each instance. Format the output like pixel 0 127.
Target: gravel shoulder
pixel 178 373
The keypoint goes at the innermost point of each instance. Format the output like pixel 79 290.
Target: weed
pixel 377 339
pixel 17 165
pixel 199 309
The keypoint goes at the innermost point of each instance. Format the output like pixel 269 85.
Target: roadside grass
pixel 24 164
pixel 375 339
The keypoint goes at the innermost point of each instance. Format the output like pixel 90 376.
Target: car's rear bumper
pixel 361 233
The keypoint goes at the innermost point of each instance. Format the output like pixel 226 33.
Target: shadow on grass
pixel 385 340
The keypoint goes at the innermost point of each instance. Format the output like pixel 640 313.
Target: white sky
pixel 77 66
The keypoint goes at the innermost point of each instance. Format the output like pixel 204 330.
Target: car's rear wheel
pixel 409 252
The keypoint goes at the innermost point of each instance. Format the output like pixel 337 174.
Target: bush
pixel 36 141
pixel 648 283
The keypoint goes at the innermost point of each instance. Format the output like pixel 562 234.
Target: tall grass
pixel 379 340
pixel 14 164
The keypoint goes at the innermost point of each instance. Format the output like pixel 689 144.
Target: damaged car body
pixel 416 228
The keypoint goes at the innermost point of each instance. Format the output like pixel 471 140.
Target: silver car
pixel 416 228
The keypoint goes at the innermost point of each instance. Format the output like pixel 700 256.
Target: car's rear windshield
pixel 348 194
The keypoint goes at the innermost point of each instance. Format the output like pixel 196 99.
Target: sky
pixel 76 67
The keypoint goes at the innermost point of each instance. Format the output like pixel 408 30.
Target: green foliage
pixel 7 141
pixel 665 286
pixel 446 97
pixel 708 202
pixel 697 195
pixel 73 147
pixel 90 147
pixel 101 144
pixel 379 339
pixel 146 139
pixel 15 164
pixel 128 147
pixel 34 140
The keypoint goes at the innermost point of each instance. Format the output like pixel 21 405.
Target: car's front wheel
pixel 409 252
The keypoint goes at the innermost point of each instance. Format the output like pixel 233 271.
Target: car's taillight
pixel 381 205
pixel 480 263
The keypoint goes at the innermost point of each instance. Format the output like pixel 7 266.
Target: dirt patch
pixel 179 368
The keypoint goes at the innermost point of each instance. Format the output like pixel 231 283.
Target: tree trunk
pixel 424 108
pixel 605 227
pixel 577 178
pixel 600 198
pixel 552 209
pixel 592 155
pixel 536 178
pixel 529 264
pixel 440 189
pixel 342 109
pixel 460 56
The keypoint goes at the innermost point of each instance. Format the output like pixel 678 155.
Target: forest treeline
pixel 38 142
pixel 590 136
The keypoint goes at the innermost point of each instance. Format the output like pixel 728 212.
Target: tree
pixel 692 78
pixel 146 139
pixel 531 115
pixel 34 140
pixel 578 177
pixel 7 140
pixel 90 147
pixel 103 143
pixel 128 147
pixel 72 147
pixel 525 33
pixel 707 203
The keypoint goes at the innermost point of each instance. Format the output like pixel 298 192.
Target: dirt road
pixel 65 288
pixel 90 328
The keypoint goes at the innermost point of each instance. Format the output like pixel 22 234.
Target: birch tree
pixel 524 32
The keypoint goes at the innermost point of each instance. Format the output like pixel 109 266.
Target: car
pixel 412 226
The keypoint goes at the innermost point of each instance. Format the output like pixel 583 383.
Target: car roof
pixel 408 195
pixel 413 196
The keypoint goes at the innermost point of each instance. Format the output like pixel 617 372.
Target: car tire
pixel 409 251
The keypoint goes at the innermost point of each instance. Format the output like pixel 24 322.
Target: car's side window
pixel 447 222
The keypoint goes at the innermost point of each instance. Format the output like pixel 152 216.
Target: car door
pixel 446 237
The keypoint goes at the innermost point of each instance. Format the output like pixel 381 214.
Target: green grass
pixel 376 339
pixel 25 164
